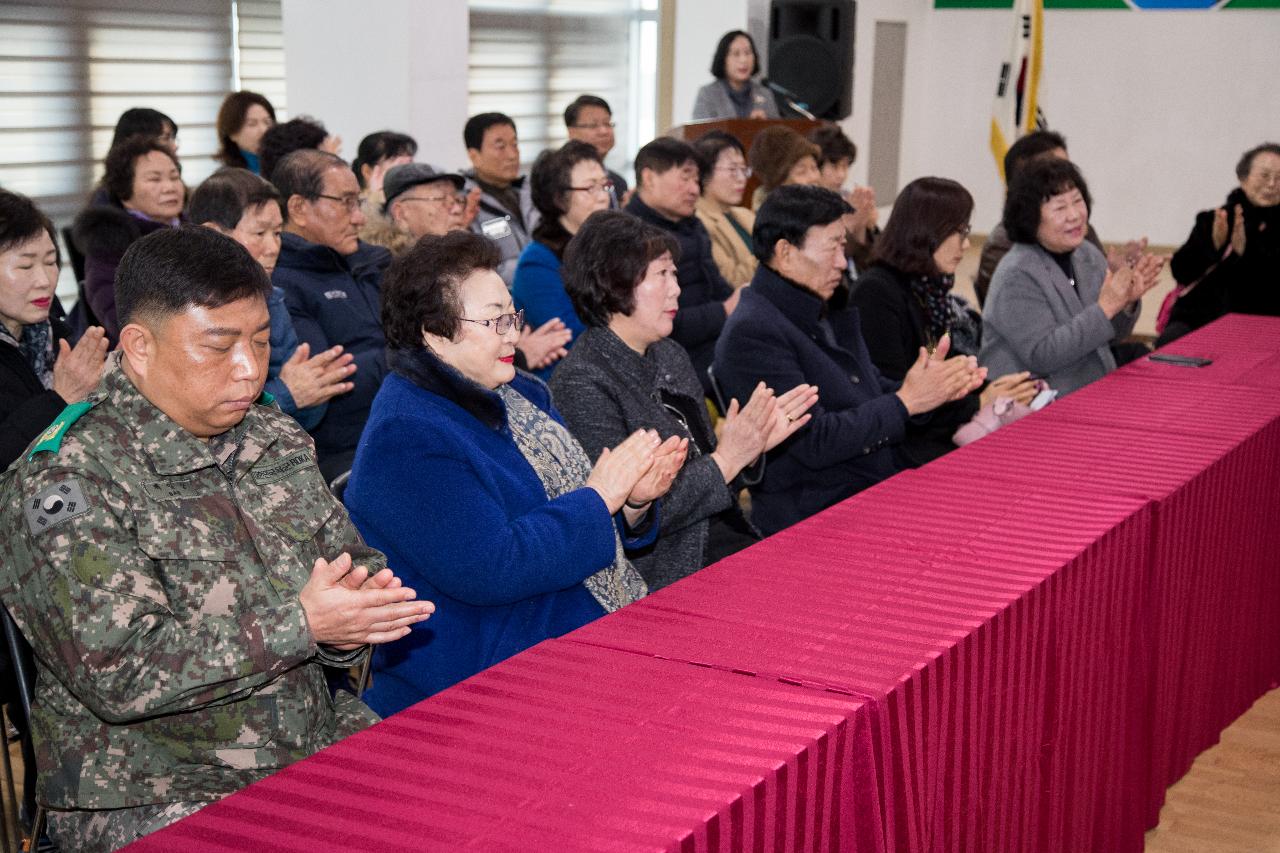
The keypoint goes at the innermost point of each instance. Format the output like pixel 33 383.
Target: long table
pixel 1018 647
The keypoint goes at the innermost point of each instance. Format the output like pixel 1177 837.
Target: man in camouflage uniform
pixel 173 555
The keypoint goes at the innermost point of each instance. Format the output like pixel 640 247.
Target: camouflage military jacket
pixel 157 578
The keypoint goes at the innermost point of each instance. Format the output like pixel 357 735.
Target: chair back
pixel 23 662
pixel 721 403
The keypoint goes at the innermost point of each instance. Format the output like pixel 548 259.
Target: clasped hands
pixel 762 424
pixel 638 471
pixel 1237 230
pixel 346 607
pixel 1126 283
pixel 935 379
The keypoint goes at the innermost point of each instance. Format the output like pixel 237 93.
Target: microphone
pixel 791 99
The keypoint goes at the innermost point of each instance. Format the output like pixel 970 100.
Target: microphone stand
pixel 790 99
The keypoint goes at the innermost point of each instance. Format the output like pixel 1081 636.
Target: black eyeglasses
pixel 502 323
pixel 595 126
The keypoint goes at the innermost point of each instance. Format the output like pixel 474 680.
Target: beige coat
pixel 732 257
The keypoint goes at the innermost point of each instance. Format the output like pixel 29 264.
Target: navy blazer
pixel 440 484
pixel 334 300
pixel 775 335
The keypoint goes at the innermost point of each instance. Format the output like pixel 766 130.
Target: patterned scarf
pixel 931 291
pixel 36 347
pixel 562 466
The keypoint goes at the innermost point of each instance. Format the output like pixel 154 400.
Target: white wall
pixel 366 65
pixel 698 27
pixel 1156 106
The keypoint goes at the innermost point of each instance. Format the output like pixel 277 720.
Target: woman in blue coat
pixel 567 185
pixel 482 500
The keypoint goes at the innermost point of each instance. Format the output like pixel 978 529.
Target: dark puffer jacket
pixel 335 299
pixel 102 233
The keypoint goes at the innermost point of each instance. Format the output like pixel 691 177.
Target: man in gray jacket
pixel 507 215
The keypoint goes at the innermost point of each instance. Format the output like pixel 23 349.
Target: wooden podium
pixel 744 130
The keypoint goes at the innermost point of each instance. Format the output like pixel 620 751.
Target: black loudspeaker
pixel 811 53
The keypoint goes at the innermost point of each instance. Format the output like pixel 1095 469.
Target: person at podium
pixel 735 93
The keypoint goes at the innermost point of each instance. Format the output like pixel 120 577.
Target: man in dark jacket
pixel 795 326
pixel 666 195
pixel 331 281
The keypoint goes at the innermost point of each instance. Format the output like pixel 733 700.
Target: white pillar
pixel 366 65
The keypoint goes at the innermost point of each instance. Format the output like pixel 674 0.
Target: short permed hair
pixel 420 288
pixel 226 195
pixel 20 221
pixel 664 154
pixel 121 164
pixel 1033 145
pixel 283 139
pixel 925 214
pixel 607 259
pixel 174 269
pixel 549 181
pixel 709 147
pixel 722 53
pixel 571 112
pixel 301 173
pixel 1036 183
pixel 833 145
pixel 379 146
pixel 474 130
pixel 1245 166
pixel 789 212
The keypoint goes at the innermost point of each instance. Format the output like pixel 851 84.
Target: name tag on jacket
pixel 496 229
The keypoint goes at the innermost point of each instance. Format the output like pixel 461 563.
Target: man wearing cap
pixel 420 200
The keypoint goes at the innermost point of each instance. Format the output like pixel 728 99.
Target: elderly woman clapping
pixel 625 374
pixel 478 494
pixel 40 372
pixel 1054 306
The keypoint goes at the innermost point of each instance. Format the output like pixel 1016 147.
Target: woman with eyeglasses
pixel 724 179
pixel 468 479
pixel 627 374
pixel 1231 260
pixel 567 185
pixel 905 302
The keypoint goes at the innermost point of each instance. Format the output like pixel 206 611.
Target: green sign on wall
pixel 1115 4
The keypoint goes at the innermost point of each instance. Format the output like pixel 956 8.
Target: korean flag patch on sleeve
pixel 58 503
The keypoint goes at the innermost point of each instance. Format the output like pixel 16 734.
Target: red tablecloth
pixel 1018 647
pixel 571 747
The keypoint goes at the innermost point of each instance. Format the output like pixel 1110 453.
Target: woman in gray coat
pixel 624 373
pixel 734 94
pixel 1054 308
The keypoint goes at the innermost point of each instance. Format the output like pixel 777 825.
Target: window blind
pixel 68 69
pixel 531 58
pixel 259 57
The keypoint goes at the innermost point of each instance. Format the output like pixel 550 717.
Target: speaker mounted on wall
pixel 811 53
